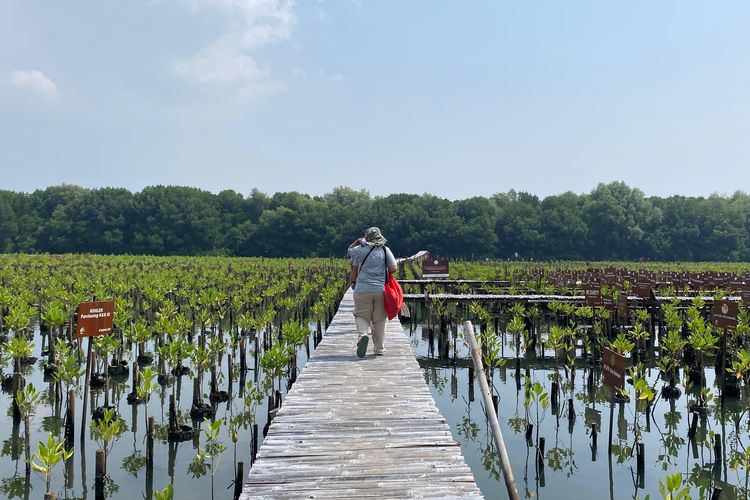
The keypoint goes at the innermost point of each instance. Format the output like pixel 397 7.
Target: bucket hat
pixel 375 237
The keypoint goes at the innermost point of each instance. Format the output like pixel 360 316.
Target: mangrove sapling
pixel 207 458
pixel 27 400
pixel 517 328
pixel 295 335
pixel 140 333
pixel 6 299
pixel 147 387
pixel 247 323
pixel 166 494
pixel 19 317
pixel 201 358
pixel 18 348
pixel 740 367
pixel 643 393
pixel 54 317
pixel 106 430
pixel 556 342
pixel 639 335
pixel 69 372
pixel 105 345
pixel 216 347
pixel 233 427
pixel 670 346
pixel 670 489
pixel 275 361
pixel 48 455
pixel 741 458
pixel 703 342
pixel 491 348
pixel 536 395
pixel 122 320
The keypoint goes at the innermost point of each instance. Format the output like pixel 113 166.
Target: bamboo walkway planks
pixel 354 427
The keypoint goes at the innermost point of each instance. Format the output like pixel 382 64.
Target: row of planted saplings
pixel 172 347
pixel 684 336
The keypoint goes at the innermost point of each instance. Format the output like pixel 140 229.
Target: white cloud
pixel 33 80
pixel 227 63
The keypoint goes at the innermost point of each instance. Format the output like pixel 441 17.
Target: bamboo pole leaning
pixel 489 408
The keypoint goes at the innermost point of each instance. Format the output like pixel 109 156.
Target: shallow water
pixel 573 468
pixel 126 462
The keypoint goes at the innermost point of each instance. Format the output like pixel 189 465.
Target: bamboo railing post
pixel 510 482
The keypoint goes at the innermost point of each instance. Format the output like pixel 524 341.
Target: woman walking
pixel 370 260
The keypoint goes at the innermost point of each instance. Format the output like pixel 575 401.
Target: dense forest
pixel 612 222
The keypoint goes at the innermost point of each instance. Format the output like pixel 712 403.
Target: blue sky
pixel 452 98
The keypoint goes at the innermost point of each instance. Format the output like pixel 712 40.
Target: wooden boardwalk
pixel 354 427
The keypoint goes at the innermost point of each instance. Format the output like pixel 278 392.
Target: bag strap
pixel 385 260
pixel 363 260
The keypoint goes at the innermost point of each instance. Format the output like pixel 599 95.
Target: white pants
pixel 370 316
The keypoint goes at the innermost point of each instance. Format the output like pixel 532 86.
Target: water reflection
pixel 562 451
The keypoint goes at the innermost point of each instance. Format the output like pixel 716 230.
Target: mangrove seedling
pixel 166 494
pixel 48 455
pixel 207 459
pixel 106 430
pixel 670 489
pixel 27 400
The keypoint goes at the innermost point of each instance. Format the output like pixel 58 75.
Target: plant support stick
pixel 510 482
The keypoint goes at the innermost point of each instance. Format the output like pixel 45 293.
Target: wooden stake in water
pixel 86 389
pixel 70 416
pixel 510 482
pixel 101 471
pixel 239 480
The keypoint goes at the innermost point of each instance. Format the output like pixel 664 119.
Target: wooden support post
pixel 256 358
pixel 101 471
pixel 230 373
pixel 239 480
pixel 716 494
pixel 640 457
pixel 196 391
pixel 594 435
pixel 571 410
pixel 510 482
pixel 254 447
pixel 717 448
pixel 86 389
pixel 611 421
pixel 243 355
pixel 693 426
pixel 172 413
pixel 150 445
pixel 136 377
pixel 540 453
pixel 70 418
pixel 529 432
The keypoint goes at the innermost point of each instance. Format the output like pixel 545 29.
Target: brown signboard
pixel 745 293
pixel 725 314
pixel 593 296
pixel 95 318
pixel 644 291
pixel 613 368
pixel 435 268
pixel 622 305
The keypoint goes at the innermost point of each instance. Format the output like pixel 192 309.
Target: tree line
pixel 612 222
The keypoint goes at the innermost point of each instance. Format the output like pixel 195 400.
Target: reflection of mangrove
pixel 672 352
